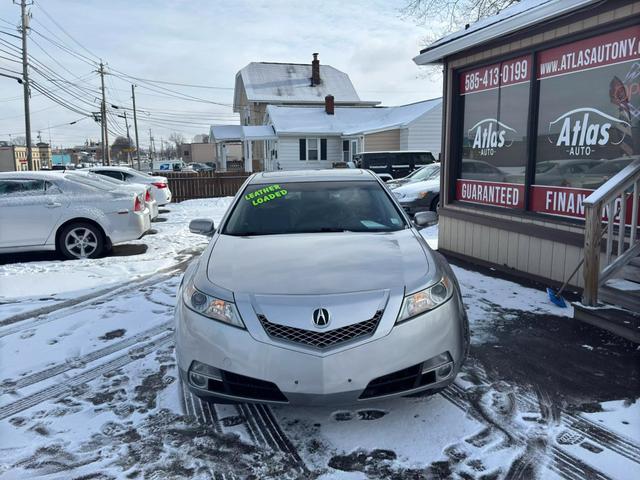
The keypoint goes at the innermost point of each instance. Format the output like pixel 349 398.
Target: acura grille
pixel 322 340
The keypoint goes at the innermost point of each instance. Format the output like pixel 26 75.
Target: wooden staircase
pixel 611 297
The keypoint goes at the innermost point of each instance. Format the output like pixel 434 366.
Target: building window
pixel 587 129
pixel 588 118
pixel 495 102
pixel 303 148
pixel 313 148
pixel 345 151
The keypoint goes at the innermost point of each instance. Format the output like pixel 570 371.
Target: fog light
pixel 444 371
pixel 198 380
pixel 436 361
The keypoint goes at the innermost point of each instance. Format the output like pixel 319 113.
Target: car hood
pixel 414 187
pixel 319 263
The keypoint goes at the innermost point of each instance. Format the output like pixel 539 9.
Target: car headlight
pixel 425 300
pixel 211 307
pixel 416 195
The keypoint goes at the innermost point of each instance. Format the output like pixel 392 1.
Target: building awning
pixel 521 15
pixel 241 133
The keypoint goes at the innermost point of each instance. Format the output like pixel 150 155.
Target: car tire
pixel 81 240
pixel 435 203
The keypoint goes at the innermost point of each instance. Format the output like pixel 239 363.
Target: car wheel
pixel 81 240
pixel 435 204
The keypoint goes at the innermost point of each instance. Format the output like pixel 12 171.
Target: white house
pixel 268 83
pixel 316 137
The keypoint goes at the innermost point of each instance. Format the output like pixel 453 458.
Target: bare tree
pixel 452 14
pixel 19 141
pixel 177 139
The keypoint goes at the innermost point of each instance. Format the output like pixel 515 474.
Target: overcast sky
pixel 198 42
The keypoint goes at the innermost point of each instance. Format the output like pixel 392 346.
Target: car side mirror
pixel 422 219
pixel 202 226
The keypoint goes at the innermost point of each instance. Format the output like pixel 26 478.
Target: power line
pixel 212 87
pixel 64 31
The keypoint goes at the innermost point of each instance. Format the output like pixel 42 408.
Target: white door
pixel 354 148
pixel 29 210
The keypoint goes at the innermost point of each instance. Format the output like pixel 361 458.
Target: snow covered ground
pixel 89 388
pixel 58 280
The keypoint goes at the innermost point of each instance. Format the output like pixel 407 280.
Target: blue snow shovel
pixel 556 297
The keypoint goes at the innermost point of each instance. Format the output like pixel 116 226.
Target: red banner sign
pixel 512 71
pixel 508 195
pixel 568 202
pixel 615 47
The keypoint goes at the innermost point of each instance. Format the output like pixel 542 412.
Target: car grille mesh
pixel 321 340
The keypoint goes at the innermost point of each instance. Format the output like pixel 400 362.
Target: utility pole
pixel 135 124
pixel 103 119
pixel 126 123
pixel 25 79
pixel 150 146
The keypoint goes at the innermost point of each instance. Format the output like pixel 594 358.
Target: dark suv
pixel 397 164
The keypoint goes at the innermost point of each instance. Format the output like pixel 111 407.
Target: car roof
pixel 335 174
pixel 117 168
pixel 394 151
pixel 30 174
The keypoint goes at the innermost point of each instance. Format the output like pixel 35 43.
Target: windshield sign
pixel 314 207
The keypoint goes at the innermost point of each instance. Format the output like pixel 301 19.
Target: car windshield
pixel 544 167
pixel 610 166
pixel 90 182
pixel 314 207
pixel 425 173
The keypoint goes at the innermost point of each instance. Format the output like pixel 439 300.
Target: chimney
pixel 315 71
pixel 329 104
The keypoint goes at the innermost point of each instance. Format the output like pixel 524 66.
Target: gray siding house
pixel 317 137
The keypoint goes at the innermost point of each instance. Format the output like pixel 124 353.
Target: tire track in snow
pixel 259 422
pixel 563 463
pixel 63 388
pixel 575 422
pixel 53 312
pixel 9 385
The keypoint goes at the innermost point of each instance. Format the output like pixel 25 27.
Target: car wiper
pixel 248 234
pixel 325 230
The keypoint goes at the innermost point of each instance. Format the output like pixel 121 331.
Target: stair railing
pixel 611 201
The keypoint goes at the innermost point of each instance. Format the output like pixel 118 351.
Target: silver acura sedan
pixel 317 289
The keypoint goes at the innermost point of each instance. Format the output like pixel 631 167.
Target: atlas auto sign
pixel 489 135
pixel 582 130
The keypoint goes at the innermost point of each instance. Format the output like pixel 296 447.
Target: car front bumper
pixel 307 378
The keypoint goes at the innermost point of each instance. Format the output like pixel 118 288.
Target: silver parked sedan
pixel 317 289
pixel 74 215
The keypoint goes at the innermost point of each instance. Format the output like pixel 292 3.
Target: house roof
pixel 291 83
pixel 238 133
pixel 523 14
pixel 346 120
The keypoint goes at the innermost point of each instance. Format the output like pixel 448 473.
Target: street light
pixel 17 79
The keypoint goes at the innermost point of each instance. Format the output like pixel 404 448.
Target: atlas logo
pixel 321 317
pixel 489 135
pixel 583 129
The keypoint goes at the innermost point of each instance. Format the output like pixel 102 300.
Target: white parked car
pixel 80 219
pixel 160 185
pixel 139 188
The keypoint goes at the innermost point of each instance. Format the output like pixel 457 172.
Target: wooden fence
pixel 186 186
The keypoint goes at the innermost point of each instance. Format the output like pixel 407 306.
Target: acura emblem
pixel 321 317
